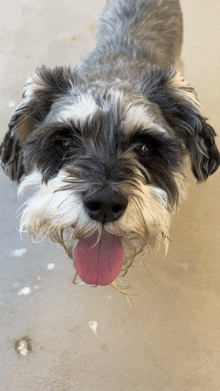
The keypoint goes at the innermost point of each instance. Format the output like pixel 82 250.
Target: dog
pixel 103 144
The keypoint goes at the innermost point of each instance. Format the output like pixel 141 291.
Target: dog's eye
pixel 142 149
pixel 66 143
pixel 63 142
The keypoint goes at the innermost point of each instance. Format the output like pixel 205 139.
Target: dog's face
pixel 106 154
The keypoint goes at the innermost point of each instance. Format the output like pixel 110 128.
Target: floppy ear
pixel 41 90
pixel 180 107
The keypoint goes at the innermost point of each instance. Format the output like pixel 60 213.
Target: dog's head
pixel 106 154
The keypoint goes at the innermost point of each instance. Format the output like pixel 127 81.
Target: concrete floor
pixel 85 339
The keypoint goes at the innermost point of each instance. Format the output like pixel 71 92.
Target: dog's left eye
pixel 142 149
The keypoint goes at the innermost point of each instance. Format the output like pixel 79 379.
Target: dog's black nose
pixel 105 206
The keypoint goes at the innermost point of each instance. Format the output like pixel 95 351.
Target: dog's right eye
pixel 64 141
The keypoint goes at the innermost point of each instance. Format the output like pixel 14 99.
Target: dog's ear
pixel 180 107
pixel 41 90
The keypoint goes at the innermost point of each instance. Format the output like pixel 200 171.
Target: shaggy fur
pixel 104 143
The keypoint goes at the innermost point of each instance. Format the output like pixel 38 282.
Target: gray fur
pixel 133 35
pixel 104 143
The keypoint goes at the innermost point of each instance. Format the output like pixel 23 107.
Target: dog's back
pixel 137 32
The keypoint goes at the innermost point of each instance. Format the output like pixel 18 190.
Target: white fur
pixel 49 208
pixel 138 117
pixel 52 211
pixel 80 111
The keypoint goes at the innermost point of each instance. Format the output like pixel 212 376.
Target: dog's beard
pixel 57 211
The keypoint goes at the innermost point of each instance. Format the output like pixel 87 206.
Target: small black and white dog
pixel 104 144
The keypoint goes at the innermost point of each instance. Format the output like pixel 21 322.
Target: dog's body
pixel 104 144
pixel 146 32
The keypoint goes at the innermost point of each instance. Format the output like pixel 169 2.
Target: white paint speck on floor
pixel 50 266
pixel 93 326
pixel 24 291
pixel 19 252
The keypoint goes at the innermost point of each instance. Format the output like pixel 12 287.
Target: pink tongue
pixel 99 264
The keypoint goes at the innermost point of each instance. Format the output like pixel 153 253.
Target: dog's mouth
pixel 99 260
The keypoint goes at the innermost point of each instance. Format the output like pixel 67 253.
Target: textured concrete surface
pixel 85 339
